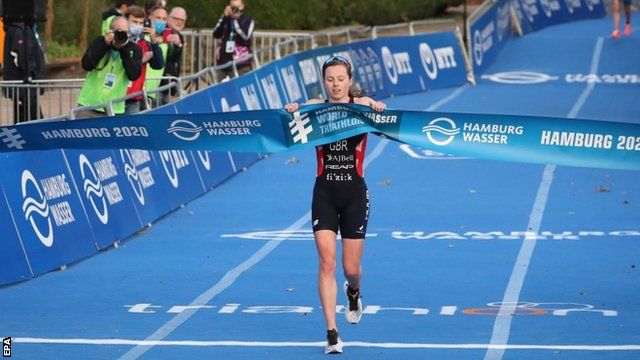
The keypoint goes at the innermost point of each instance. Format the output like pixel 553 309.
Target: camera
pixel 235 9
pixel 147 23
pixel 120 37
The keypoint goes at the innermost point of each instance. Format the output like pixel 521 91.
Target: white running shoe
pixel 334 343
pixel 353 312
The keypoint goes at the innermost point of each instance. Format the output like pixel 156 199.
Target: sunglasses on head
pixel 338 58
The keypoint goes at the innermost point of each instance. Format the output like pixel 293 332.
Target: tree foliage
pixel 269 14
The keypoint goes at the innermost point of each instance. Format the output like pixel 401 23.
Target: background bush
pixel 269 14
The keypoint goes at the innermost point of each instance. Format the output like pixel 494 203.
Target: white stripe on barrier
pixel 389 345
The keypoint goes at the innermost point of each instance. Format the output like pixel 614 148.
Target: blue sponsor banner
pixel 534 15
pixel 147 186
pixel 585 9
pixel 368 68
pixel 251 97
pixel 225 97
pixel 270 86
pixel 198 102
pixel 177 176
pixel 166 109
pixel 310 74
pixel 418 63
pixel 489 34
pixel 13 263
pixel 289 76
pixel 106 194
pixel 561 141
pixel 213 166
pixel 47 209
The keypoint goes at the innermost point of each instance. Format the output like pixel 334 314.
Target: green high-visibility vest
pixel 153 73
pixel 106 25
pixel 107 81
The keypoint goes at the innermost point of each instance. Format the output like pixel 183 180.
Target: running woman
pixel 340 202
pixel 616 18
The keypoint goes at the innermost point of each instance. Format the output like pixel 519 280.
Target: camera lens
pixel 120 37
pixel 235 9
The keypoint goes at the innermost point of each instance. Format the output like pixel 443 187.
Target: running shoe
pixel 334 344
pixel 627 29
pixel 615 34
pixel 354 311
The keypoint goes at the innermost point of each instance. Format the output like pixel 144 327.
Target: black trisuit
pixel 340 195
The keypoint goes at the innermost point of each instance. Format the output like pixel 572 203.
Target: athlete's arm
pixel 378 106
pixel 293 107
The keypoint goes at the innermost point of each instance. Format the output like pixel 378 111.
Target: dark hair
pixel 153 9
pixel 150 5
pixel 119 3
pixel 339 60
pixel 135 11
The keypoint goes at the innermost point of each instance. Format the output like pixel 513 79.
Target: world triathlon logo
pixel 93 189
pixel 444 127
pixel 299 129
pixel 12 138
pixel 185 130
pixel 35 208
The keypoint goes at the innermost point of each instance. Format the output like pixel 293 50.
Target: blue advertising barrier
pixel 47 209
pixel 309 74
pixel 534 15
pixel 198 102
pixel 95 197
pixel 368 68
pixel 105 193
pixel 213 166
pixel 179 176
pixel 13 263
pixel 489 33
pixel 419 63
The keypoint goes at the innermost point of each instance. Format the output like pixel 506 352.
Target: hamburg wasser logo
pixel 185 130
pixel 35 208
pixel 299 129
pixel 444 127
pixel 93 189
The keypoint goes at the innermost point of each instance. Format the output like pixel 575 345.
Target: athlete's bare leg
pixel 352 260
pixel 616 15
pixel 327 288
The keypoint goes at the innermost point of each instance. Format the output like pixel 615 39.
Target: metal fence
pixel 47 99
pixel 38 99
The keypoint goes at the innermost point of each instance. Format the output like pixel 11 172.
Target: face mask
pixel 159 25
pixel 135 30
pixel 164 4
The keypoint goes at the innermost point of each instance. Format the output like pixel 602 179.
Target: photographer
pixel 151 54
pixel 175 41
pixel 234 29
pixel 112 61
pixel 158 20
pixel 120 9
